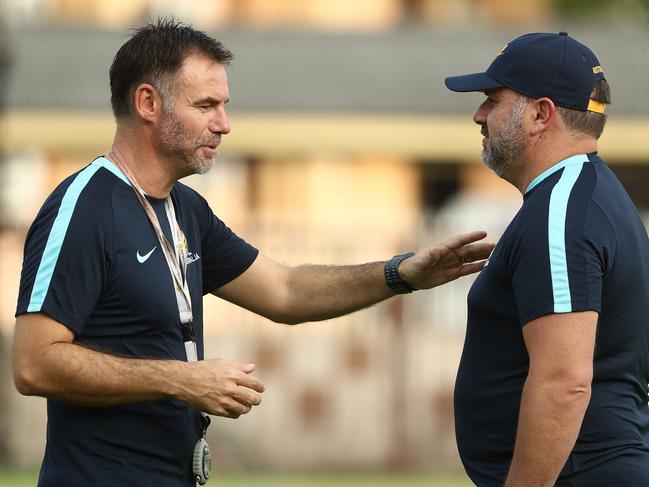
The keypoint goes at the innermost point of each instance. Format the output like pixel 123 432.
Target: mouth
pixel 212 149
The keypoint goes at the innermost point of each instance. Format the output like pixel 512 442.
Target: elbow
pixel 289 308
pixel 567 388
pixel 577 384
pixel 576 394
pixel 25 382
pixel 581 388
pixel 571 393
pixel 571 400
pixel 28 379
pixel 285 319
pixel 286 311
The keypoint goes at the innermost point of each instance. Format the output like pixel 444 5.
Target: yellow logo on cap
pixel 502 50
pixel 597 69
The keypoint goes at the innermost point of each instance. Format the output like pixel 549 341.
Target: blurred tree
pixel 637 9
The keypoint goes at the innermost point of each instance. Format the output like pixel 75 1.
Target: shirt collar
pixel 577 159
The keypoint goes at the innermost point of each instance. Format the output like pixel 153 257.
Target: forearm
pixel 323 292
pixel 314 292
pixel 550 418
pixel 79 375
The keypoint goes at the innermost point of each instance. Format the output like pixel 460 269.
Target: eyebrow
pixel 209 100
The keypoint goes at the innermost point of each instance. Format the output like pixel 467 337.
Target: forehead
pixel 202 76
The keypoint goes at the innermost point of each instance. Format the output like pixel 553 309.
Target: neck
pixel 135 151
pixel 540 156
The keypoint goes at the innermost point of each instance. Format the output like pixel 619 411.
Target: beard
pixel 500 150
pixel 177 139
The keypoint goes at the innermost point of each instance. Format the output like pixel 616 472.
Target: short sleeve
pixel 560 258
pixel 66 255
pixel 225 255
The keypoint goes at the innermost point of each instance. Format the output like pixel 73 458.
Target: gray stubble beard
pixel 176 139
pixel 502 149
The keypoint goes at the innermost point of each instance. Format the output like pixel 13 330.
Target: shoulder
pixel 192 206
pixel 92 184
pixel 188 197
pixel 563 198
pixel 186 192
pixel 610 195
pixel 84 195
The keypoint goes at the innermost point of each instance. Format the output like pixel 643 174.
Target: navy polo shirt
pixel 577 243
pixel 93 263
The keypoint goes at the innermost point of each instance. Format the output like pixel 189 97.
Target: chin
pixel 199 164
pixel 204 167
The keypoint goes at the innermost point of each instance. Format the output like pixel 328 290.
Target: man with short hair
pixel 552 384
pixel 109 320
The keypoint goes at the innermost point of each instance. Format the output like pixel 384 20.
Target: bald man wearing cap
pixel 552 385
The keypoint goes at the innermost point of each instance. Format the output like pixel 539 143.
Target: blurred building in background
pixel 346 147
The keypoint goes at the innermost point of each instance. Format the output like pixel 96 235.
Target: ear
pixel 147 102
pixel 544 115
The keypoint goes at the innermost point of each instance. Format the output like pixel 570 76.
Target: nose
pixel 220 124
pixel 480 115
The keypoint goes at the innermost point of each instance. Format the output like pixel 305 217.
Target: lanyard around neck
pixel 175 255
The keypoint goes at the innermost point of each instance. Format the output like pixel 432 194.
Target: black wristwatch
pixel 392 277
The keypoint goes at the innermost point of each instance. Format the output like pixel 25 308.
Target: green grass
pixel 10 477
pixel 342 480
pixel 19 478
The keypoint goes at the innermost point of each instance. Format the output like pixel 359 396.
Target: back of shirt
pixel 617 415
pixel 576 244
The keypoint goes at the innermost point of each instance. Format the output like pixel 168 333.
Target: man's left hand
pixel 446 262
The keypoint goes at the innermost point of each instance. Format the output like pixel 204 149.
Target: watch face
pixel 207 461
pixel 202 466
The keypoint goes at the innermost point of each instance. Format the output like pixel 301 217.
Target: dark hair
pixel 588 123
pixel 154 54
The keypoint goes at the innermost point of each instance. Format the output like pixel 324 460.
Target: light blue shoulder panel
pixel 557 230
pixel 60 227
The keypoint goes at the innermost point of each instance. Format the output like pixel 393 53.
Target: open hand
pixel 446 262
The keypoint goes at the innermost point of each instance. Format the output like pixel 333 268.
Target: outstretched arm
pixel 47 362
pixel 315 292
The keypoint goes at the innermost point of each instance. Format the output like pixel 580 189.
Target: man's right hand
pixel 223 388
pixel 48 362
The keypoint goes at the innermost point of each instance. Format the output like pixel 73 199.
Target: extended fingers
pixel 472 268
pixel 473 252
pixel 464 239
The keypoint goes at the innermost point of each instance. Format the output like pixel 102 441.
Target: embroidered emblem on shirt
pixel 192 257
pixel 143 258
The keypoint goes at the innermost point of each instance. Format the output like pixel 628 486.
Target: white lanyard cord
pixel 175 255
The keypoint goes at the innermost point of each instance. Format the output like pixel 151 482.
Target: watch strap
pixel 392 276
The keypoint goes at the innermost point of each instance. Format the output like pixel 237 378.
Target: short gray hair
pixel 585 122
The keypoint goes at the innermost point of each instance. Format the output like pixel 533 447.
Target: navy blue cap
pixel 540 65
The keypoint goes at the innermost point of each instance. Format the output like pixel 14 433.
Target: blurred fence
pixel 371 390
